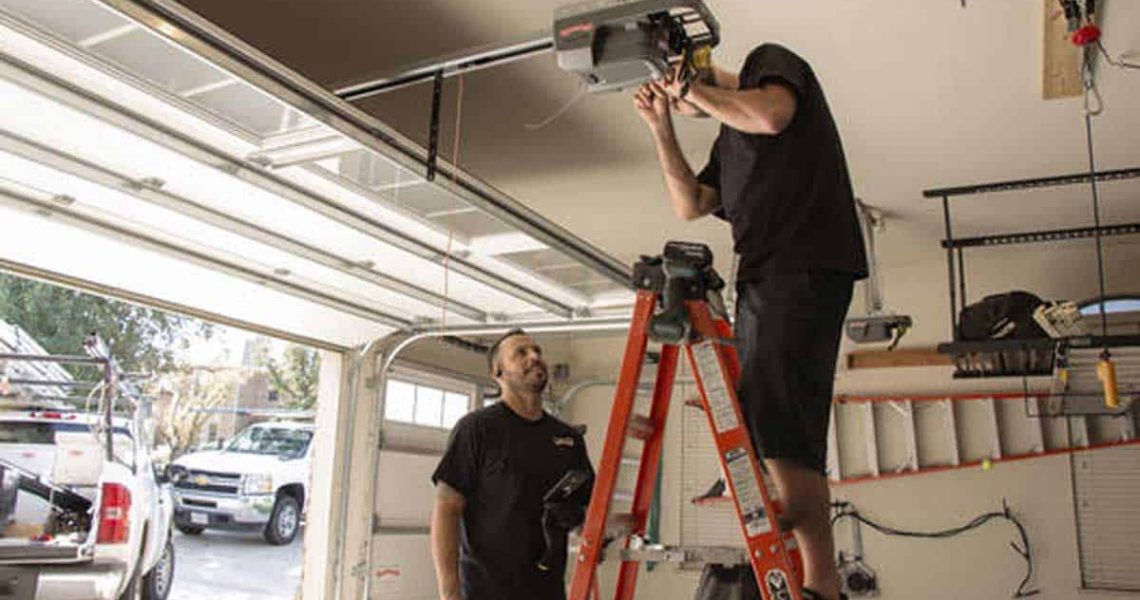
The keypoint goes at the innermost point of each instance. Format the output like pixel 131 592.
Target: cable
pixel 454 175
pixel 1119 63
pixel 846 511
pixel 1095 201
pixel 581 93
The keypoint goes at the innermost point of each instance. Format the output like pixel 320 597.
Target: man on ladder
pixel 778 175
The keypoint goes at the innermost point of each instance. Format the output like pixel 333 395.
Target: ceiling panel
pixel 240 179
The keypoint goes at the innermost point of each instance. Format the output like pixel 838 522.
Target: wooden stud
pixel 952 428
pixel 834 470
pixel 995 428
pixel 909 430
pixel 1061 59
pixel 903 357
pixel 872 438
pixel 1036 430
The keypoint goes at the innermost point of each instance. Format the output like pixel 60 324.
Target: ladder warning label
pixel 747 492
pixel 712 378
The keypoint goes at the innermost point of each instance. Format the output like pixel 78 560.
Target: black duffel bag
pixel 1001 316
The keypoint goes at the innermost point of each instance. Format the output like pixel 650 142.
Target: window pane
pixel 429 406
pixel 400 401
pixel 454 407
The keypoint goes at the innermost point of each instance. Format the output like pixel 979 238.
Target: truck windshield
pixel 271 440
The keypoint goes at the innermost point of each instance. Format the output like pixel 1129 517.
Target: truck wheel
pixel 283 522
pixel 156 584
pixel 189 529
pixel 133 589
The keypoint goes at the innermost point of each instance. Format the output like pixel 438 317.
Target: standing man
pixel 777 174
pixel 487 530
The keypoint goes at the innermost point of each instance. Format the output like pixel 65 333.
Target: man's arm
pixel 445 517
pixel 690 199
pixel 725 79
pixel 767 110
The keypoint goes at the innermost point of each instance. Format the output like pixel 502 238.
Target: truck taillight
pixel 114 514
pixel 57 416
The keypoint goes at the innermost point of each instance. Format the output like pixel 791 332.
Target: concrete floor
pixel 223 565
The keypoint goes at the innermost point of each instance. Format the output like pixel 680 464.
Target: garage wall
pixel 319 526
pixel 979 564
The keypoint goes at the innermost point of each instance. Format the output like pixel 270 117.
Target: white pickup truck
pixel 74 521
pixel 256 480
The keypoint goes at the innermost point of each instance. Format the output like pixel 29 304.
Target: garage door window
pixel 419 404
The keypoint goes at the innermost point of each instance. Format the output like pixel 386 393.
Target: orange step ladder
pixel 684 286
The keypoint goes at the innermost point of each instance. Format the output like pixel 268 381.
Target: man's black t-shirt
pixel 503 465
pixel 788 197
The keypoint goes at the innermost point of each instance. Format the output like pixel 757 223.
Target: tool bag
pixel 1001 316
pixel 720 582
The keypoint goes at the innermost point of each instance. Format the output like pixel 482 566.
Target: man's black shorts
pixel 787 335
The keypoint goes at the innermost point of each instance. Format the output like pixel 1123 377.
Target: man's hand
pixel 672 88
pixel 653 107
pixel 671 85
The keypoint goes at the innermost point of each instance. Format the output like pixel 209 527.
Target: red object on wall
pixel 1086 35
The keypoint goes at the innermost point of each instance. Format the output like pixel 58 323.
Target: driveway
pixel 223 565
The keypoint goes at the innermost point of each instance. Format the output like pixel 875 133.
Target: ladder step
pixel 619 525
pixel 640 427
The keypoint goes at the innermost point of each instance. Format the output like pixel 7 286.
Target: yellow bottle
pixel 1106 373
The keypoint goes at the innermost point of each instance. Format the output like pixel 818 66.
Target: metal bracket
pixel 433 126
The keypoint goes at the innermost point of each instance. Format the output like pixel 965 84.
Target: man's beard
pixel 530 382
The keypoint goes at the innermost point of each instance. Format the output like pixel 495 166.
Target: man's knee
pixel 804 514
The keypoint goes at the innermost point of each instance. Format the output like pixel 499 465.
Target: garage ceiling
pixel 287 218
pixel 927 94
pixel 134 156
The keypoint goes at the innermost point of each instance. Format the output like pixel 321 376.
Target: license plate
pixel 199 518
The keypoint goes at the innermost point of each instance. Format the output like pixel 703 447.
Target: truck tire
pixel 156 584
pixel 133 588
pixel 284 521
pixel 189 529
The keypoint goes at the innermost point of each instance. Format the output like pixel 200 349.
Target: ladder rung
pixel 619 525
pixel 640 427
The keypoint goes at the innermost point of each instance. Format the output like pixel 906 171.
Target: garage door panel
pixel 405 495
pixel 36 241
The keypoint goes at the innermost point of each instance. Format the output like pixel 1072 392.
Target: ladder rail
pixel 593 531
pixel 650 464
pixel 772 565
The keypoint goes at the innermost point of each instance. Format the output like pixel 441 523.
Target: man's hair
pixel 493 351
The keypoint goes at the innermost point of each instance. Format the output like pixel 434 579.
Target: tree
pixel 294 377
pixel 140 339
pixel 187 398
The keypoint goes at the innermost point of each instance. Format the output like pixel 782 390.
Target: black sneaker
pixel 810 594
